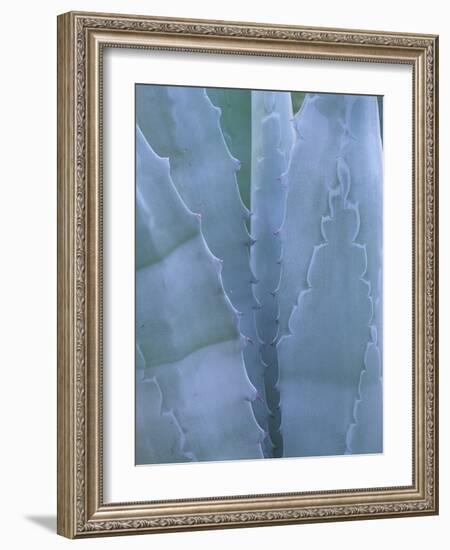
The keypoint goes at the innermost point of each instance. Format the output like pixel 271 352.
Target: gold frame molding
pixel 81 39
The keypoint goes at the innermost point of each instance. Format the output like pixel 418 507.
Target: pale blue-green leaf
pixel 235 121
pixel 361 171
pixel 362 153
pixel 366 433
pixel 272 140
pixel 159 437
pixel 210 395
pixel 321 360
pixel 187 333
pixel 319 128
pixel 182 124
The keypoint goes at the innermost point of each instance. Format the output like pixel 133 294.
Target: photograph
pixel 225 248
pixel 259 274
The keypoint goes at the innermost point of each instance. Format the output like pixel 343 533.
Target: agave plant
pixel 258 274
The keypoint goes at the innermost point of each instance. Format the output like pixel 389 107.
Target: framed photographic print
pixel 247 274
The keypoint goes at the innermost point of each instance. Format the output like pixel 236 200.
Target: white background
pixel 123 482
pixel 28 274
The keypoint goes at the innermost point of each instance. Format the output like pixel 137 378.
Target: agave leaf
pixel 322 359
pixel 319 128
pixel 297 100
pixel 159 435
pixel 182 124
pixel 366 433
pixel 362 152
pixel 361 172
pixel 272 140
pixel 235 121
pixel 338 139
pixel 186 332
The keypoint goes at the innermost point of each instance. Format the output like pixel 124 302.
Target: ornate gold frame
pixel 81 38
